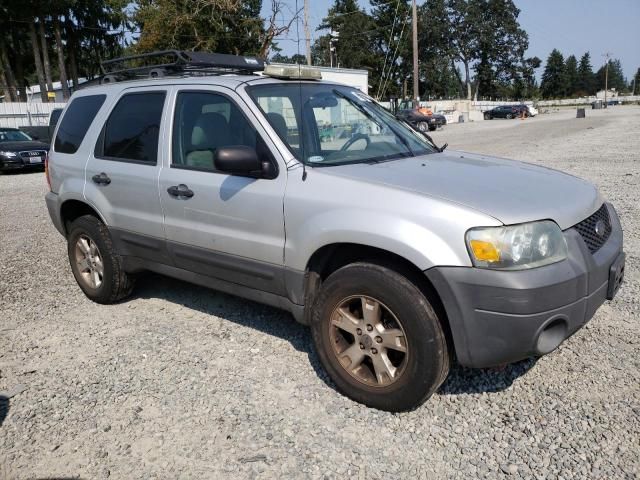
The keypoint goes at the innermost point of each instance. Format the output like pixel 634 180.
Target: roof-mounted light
pixel 292 72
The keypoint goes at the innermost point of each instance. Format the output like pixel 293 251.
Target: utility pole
pixel 606 76
pixel 307 35
pixel 416 95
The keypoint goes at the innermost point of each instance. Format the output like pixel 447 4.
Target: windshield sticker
pixel 315 158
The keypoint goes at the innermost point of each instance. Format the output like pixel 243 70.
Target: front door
pixel 224 226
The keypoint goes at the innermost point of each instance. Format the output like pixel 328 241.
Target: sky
pixel 572 26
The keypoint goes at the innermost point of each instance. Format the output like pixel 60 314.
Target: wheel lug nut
pixel 374 351
pixel 369 328
pixel 379 339
pixel 359 331
pixel 361 346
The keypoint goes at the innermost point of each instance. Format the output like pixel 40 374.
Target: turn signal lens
pixel 484 251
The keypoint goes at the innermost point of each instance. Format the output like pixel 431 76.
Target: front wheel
pixel 423 126
pixel 379 338
pixel 509 116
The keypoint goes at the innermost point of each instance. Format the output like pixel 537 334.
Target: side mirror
pixel 238 160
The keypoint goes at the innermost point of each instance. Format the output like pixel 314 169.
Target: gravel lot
pixel 182 382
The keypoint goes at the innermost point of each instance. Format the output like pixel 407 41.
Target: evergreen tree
pixel 616 78
pixel 634 86
pixel 554 79
pixel 571 72
pixel 586 80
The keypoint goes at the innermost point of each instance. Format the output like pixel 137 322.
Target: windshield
pixel 326 125
pixel 14 136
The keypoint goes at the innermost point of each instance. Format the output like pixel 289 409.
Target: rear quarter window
pixel 76 121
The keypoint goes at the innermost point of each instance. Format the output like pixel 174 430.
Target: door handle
pixel 180 191
pixel 101 179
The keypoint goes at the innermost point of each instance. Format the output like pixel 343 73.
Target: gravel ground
pixel 182 382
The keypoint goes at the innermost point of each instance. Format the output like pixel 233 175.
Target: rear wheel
pixel 487 116
pixel 423 126
pixel 509 116
pixel 379 338
pixel 94 263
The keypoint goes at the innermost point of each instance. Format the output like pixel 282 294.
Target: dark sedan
pixel 506 111
pixel 18 151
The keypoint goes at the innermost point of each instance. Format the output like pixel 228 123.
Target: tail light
pixel 46 170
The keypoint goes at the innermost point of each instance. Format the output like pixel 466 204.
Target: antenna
pixel 304 163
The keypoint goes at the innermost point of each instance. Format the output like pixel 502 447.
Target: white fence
pixel 26 114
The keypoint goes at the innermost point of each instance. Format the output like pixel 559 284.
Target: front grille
pixel 33 153
pixel 596 229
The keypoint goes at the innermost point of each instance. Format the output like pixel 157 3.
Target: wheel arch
pixel 329 258
pixel 72 209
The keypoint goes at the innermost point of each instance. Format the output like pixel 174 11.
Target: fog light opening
pixel 551 336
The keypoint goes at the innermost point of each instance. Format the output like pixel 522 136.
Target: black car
pixel 422 118
pixel 506 111
pixel 18 151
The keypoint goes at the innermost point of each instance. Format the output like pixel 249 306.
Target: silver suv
pixel 309 196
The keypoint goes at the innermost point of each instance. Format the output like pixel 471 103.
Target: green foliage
pixel 586 79
pixel 554 79
pixel 206 25
pixel 616 79
pixel 634 85
pixel 571 74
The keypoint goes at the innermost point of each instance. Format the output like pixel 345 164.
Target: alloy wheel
pixel 89 262
pixel 368 341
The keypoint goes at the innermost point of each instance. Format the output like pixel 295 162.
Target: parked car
pixel 421 118
pixel 18 151
pixel 399 256
pixel 503 111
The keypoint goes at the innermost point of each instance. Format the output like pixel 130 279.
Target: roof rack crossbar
pixel 181 62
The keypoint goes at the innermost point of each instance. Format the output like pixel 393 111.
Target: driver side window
pixel 204 122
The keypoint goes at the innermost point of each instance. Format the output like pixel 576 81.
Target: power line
pixel 384 65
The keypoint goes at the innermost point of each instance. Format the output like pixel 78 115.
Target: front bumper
pixel 500 317
pixel 8 164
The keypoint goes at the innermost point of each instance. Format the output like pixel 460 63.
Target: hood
pixel 508 190
pixel 22 146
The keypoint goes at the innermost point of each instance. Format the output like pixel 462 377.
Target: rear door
pixel 122 172
pixel 228 227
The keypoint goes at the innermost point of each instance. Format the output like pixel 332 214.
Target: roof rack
pixel 177 63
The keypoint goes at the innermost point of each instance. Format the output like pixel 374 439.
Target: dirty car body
pixel 516 257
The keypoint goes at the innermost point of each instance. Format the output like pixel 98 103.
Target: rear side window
pixel 76 122
pixel 132 130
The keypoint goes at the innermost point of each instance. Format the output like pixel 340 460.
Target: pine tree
pixel 571 72
pixel 615 79
pixel 634 87
pixel 554 79
pixel 586 80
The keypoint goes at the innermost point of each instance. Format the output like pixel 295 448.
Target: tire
pixel 423 126
pixel 408 321
pixel 487 116
pixel 89 234
pixel 508 116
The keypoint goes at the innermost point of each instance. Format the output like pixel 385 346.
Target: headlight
pixel 517 247
pixel 8 154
